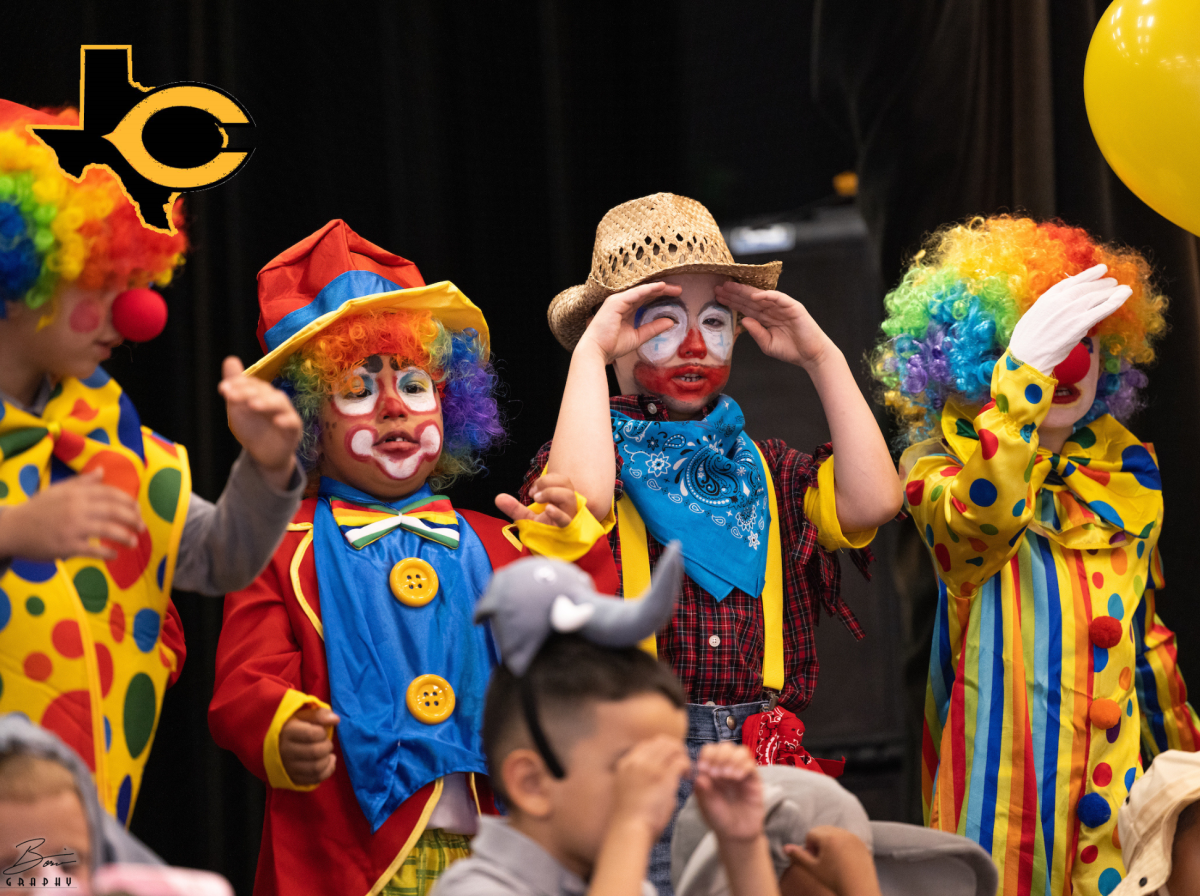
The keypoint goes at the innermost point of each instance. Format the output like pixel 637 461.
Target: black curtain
pixel 973 107
pixel 483 141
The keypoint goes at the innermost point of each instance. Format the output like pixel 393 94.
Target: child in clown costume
pixel 1009 365
pixel 97 518
pixel 349 675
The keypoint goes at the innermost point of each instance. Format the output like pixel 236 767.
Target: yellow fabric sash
pixel 635 578
pixel 81 648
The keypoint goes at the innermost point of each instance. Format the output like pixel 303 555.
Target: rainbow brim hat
pixel 335 273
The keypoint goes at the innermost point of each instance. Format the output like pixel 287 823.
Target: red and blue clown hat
pixel 334 273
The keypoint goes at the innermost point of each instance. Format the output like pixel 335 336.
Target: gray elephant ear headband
pixel 529 600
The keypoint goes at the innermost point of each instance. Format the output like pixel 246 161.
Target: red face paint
pixel 1075 367
pixel 693 345
pixel 701 380
pixel 86 317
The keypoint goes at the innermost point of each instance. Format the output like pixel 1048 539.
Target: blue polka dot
pixel 1116 609
pixel 162 572
pixel 1019 507
pixel 1068 469
pixel 1102 509
pixel 99 435
pixel 107 735
pixel 983 493
pixel 1011 363
pixel 929 535
pixel 33 570
pixel 1129 709
pixel 1099 658
pixel 1129 776
pixel 1109 878
pixel 59 471
pixel 1093 810
pixel 145 629
pixel 124 797
pixel 1027 431
pixel 30 478
pixel 97 379
pixel 1012 541
pixel 129 427
pixel 1033 393
pixel 1137 460
pixel 5 609
pixel 1141 549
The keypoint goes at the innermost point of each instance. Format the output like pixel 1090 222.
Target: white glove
pixel 1063 315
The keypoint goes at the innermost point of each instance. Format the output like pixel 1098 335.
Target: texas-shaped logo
pixel 158 142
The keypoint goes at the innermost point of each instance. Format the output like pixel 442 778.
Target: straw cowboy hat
pixel 646 238
pixel 333 273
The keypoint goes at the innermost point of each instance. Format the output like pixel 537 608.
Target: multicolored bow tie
pixel 431 517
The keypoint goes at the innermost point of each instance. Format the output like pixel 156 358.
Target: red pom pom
pixel 139 314
pixel 1105 631
pixel 1075 367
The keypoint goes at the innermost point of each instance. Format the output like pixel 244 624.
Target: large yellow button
pixel 414 582
pixel 430 699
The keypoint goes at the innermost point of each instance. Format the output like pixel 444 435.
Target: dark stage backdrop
pixel 483 141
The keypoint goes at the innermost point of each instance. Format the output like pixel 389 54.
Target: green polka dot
pixel 953 537
pixel 3 490
pixel 1085 438
pixel 1002 403
pixel 139 713
pixel 1137 586
pixel 937 492
pixel 1029 469
pixel 164 493
pixel 988 529
pixel 92 588
pixel 13 443
pixel 57 392
pixel 35 605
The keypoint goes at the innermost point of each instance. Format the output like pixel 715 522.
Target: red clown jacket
pixel 271 657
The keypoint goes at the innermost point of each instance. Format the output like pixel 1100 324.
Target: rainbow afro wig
pixel 951 317
pixel 55 230
pixel 456 361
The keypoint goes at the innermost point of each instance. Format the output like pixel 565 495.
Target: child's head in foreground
pixel 594 704
pixel 40 800
pixel 1159 825
pixel 67 249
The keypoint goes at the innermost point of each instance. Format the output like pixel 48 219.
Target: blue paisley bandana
pixel 701 482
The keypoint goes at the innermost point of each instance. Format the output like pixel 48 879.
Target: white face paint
pixel 715 324
pixel 415 388
pixel 398 464
pixel 362 391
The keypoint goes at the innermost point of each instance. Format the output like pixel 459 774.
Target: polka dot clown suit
pixel 1050 667
pixel 88 647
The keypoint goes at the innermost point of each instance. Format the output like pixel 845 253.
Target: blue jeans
pixel 707 724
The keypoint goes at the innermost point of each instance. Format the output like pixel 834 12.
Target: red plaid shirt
pixel 731 672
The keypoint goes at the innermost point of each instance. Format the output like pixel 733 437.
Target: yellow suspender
pixel 635 574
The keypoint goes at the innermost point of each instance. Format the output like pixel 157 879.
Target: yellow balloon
pixel 1141 84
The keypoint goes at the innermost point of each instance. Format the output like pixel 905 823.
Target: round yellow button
pixel 430 699
pixel 414 582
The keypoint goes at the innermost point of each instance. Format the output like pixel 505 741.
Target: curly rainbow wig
pixel 456 361
pixel 951 317
pixel 55 230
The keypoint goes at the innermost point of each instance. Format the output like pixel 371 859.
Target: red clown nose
pixel 139 314
pixel 1075 367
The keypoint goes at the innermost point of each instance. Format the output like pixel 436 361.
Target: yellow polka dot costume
pixel 87 646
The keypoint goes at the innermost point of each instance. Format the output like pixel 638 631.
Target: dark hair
pixel 1187 818
pixel 567 676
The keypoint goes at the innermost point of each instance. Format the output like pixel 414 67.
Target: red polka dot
pixel 119 471
pixel 105 664
pixel 1104 631
pixel 70 717
pixel 951 471
pixel 67 640
pixel 163 658
pixel 68 446
pixel 1102 775
pixel 116 623
pixel 38 666
pixel 1089 854
pixel 958 505
pixel 166 446
pixel 129 564
pixel 989 443
pixel 987 407
pixel 943 557
pixel 1098 579
pixel 914 491
pixel 1100 476
pixel 83 410
pixel 977 545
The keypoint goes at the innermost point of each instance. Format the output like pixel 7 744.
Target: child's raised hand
pixel 648 781
pixel 306 746
pixel 78 517
pixel 781 326
pixel 553 490
pixel 263 420
pixel 729 791
pixel 838 859
pixel 612 331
